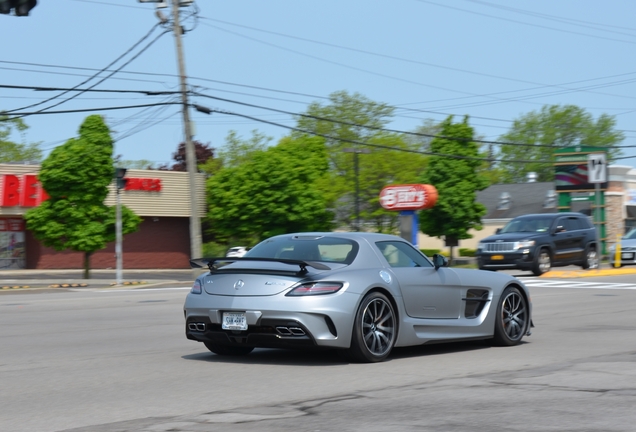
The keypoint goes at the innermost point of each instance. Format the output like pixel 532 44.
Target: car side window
pixel 576 223
pixel 401 254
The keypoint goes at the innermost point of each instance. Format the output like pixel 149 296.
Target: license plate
pixel 627 255
pixel 234 321
pixel 497 257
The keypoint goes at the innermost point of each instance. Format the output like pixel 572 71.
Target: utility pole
pixel 191 160
pixel 120 184
pixel 356 170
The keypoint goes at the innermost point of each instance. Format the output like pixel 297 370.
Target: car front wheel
pixel 542 262
pixel 511 322
pixel 374 330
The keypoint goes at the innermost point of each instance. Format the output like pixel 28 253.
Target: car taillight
pixel 315 288
pixel 196 287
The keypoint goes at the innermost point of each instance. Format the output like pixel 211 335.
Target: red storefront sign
pixel 408 197
pixel 26 190
pixel 143 184
pixel 23 191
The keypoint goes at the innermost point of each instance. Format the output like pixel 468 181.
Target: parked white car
pixel 237 251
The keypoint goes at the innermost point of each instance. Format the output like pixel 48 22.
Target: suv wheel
pixel 591 258
pixel 542 262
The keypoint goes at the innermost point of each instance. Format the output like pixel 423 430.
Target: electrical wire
pixel 378 128
pixel 100 81
pixel 146 36
pixel 392 57
pixel 525 23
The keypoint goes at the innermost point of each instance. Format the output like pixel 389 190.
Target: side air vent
pixel 476 300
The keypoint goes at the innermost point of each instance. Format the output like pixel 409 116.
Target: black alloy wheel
pixel 511 322
pixel 374 329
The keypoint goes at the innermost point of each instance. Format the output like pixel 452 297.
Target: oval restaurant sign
pixel 408 197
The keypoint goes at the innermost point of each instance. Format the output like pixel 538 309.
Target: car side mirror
pixel 559 229
pixel 439 261
pixel 498 231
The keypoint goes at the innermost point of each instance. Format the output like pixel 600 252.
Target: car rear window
pixel 307 248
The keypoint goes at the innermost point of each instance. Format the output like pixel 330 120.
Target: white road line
pixel 143 289
pixel 578 284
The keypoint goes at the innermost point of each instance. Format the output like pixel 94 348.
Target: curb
pixel 32 285
pixel 571 274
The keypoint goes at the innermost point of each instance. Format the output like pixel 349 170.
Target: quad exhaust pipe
pixel 196 327
pixel 290 331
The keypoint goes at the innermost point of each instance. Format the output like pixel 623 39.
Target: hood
pixel 627 243
pixel 511 237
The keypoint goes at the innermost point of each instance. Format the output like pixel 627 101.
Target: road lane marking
pixel 543 283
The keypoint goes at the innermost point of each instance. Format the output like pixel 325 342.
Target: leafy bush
pixel 465 252
pixel 430 252
pixel 213 249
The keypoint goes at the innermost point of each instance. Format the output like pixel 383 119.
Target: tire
pixel 228 350
pixel 374 330
pixel 511 321
pixel 542 262
pixel 591 258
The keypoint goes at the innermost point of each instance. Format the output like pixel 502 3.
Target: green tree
pixel 348 122
pixel 76 176
pixel 275 192
pixel 11 151
pixel 391 160
pixel 236 151
pixel 457 180
pixel 555 126
pixel 347 117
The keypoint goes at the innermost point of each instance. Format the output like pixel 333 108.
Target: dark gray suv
pixel 538 242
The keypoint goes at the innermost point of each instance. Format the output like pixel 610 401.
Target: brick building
pixel 160 198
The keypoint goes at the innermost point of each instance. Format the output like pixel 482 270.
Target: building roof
pixel 506 201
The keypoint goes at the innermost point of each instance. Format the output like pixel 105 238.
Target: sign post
pixel 597 174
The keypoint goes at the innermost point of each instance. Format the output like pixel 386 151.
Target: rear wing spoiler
pixel 214 264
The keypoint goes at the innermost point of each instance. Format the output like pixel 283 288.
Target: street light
pixel 356 169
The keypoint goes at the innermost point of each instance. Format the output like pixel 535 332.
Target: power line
pixel 398 106
pixel 392 57
pixel 570 21
pixel 379 128
pixel 380 146
pixel 524 23
pixel 92 109
pixel 92 77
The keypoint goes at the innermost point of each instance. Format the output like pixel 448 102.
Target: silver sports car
pixel 361 293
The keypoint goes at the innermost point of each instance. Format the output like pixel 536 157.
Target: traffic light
pixel 20 7
pixel 119 175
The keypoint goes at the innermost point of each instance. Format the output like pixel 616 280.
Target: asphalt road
pixel 117 360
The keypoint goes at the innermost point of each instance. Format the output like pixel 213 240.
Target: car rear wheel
pixel 374 330
pixel 542 262
pixel 591 259
pixel 228 350
pixel 511 322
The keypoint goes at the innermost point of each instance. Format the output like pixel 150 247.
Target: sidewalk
pixel 576 272
pixel 100 278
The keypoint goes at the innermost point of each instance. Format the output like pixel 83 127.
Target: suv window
pixel 570 223
pixel 541 224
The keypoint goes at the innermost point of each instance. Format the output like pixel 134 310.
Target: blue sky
pixel 493 60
